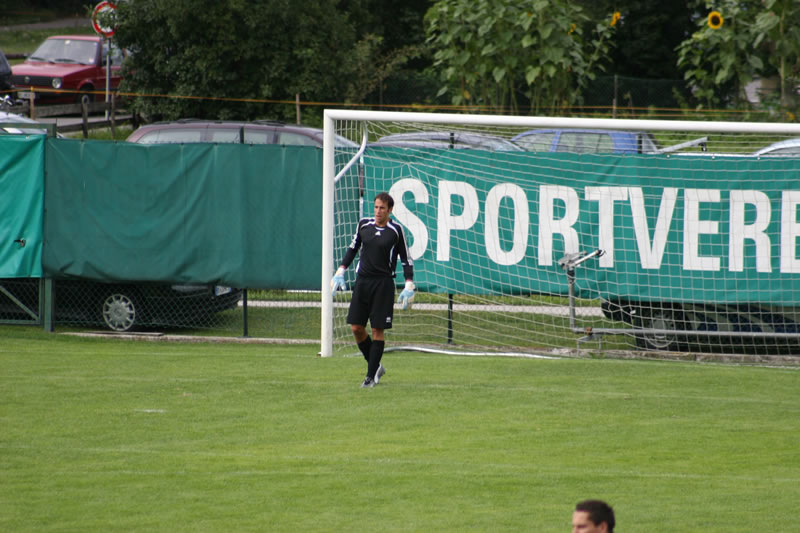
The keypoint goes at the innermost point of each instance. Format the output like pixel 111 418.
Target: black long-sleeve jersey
pixel 380 248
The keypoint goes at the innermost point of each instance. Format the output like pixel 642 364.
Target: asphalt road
pixel 74 22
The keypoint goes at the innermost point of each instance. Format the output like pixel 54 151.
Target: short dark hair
pixel 599 512
pixel 385 198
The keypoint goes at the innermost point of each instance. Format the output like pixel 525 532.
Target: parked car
pixel 671 325
pixel 789 147
pixel 588 141
pixel 448 139
pixel 10 123
pixel 5 74
pixel 218 131
pixel 68 68
pixel 120 306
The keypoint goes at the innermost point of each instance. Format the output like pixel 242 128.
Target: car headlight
pixel 56 83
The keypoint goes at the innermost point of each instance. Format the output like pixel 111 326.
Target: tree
pixel 506 54
pixel 202 53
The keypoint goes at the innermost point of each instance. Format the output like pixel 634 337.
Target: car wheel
pixel 120 310
pixel 664 319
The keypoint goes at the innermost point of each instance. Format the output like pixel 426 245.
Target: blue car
pixel 588 141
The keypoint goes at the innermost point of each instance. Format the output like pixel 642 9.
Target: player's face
pixel 382 212
pixel 582 524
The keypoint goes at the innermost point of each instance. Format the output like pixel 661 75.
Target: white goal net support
pixel 536 235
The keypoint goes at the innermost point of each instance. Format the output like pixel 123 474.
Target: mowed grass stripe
pixel 103 435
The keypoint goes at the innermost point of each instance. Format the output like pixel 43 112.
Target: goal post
pixel 547 235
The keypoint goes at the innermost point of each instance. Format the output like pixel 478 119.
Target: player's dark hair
pixel 599 512
pixel 385 198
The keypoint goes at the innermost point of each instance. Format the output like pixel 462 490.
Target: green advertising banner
pixel 21 205
pixel 685 228
pixel 230 214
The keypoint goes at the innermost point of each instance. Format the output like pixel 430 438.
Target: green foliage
pixel 202 52
pixel 108 435
pixel 491 52
pixel 756 39
pixel 236 59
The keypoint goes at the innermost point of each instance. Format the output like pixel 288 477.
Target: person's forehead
pixel 380 203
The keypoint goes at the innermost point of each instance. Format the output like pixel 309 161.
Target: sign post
pixel 100 16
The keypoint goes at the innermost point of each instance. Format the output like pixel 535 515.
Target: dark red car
pixel 68 68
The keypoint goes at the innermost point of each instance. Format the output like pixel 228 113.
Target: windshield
pixel 66 51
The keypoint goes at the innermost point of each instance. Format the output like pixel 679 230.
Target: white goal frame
pixel 329 171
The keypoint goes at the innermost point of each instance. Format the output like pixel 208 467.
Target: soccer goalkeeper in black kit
pixel 381 241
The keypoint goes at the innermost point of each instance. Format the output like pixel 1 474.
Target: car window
pixel 116 55
pixel 254 136
pixel 232 135
pixel 585 142
pixel 537 142
pixel 647 143
pixel 288 137
pixel 223 135
pixel 66 51
pixel 172 136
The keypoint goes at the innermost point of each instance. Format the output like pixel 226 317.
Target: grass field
pixel 110 435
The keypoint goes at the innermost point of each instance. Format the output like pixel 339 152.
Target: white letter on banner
pixel 521 221
pixel 790 230
pixel 606 196
pixel 563 226
pixel 408 219
pixel 693 227
pixel 446 221
pixel 651 255
pixel 757 231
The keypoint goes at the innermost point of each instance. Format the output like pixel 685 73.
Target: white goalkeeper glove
pixel 406 297
pixel 338 283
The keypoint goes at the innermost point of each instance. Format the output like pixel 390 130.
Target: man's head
pixel 593 516
pixel 383 208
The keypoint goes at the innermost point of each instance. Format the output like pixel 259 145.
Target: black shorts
pixel 373 299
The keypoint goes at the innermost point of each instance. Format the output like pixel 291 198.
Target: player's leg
pixel 363 340
pixel 357 316
pixel 381 315
pixel 376 353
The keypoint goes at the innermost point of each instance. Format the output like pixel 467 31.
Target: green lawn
pixel 110 435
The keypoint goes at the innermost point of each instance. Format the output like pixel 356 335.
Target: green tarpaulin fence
pixel 21 205
pixel 679 228
pixel 249 216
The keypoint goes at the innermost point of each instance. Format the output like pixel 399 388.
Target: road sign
pixel 102 11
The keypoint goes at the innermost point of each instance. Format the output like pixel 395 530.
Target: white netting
pixel 543 238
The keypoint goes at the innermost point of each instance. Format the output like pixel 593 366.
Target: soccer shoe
pixel 368 383
pixel 379 374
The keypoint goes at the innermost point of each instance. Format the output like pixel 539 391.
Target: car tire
pixel 664 319
pixel 120 310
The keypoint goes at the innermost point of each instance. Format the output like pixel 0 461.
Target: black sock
pixel 364 346
pixel 375 354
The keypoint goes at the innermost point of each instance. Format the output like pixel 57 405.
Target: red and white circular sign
pixel 103 8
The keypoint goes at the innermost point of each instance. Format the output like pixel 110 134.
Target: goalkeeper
pixel 381 241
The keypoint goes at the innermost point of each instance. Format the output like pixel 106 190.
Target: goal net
pixel 535 235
